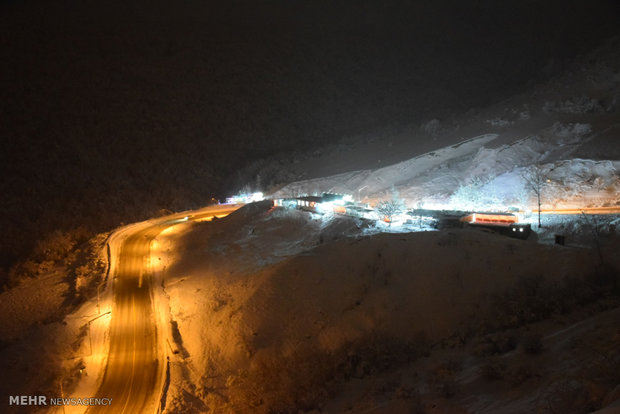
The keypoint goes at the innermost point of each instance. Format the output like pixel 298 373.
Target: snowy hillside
pixel 283 310
pixel 280 310
pixel 448 177
pixel 569 127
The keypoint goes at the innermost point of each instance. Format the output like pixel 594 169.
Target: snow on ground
pixel 577 230
pixel 37 345
pixel 271 312
pixel 573 183
pixel 30 303
pixel 275 308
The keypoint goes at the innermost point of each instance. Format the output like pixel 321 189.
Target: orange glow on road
pixel 136 362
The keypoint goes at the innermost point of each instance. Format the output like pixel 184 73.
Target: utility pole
pixel 359 199
pixel 62 396
pixel 90 339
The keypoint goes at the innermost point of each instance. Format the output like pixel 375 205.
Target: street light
pixel 62 395
pixel 90 339
pixel 359 199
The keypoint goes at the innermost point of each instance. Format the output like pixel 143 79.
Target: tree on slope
pixel 535 180
pixel 470 196
pixel 390 208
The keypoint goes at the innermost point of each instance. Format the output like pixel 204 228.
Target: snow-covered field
pixel 46 345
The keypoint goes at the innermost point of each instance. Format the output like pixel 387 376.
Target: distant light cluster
pixel 245 198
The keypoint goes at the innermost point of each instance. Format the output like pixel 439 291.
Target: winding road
pixel 136 362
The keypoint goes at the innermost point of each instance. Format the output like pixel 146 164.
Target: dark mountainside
pixel 112 111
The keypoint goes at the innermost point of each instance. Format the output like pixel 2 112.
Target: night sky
pixel 111 110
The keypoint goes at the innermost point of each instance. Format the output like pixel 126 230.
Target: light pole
pixel 359 198
pixel 62 396
pixel 90 339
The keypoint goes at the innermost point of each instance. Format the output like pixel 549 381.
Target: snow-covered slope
pixel 274 315
pixel 569 127
pixel 280 310
pixel 373 183
pixel 440 179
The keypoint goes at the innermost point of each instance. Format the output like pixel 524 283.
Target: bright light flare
pixel 325 208
pixel 245 198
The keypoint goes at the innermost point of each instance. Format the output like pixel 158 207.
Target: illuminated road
pixel 134 372
pixel 136 363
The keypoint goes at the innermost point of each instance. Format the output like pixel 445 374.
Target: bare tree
pixel 390 208
pixel 535 180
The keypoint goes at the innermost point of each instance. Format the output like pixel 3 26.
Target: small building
pixel 504 223
pixel 490 219
pixel 309 203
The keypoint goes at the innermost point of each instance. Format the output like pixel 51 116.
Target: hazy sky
pixel 206 69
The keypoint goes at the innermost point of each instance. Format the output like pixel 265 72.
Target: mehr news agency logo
pixel 43 400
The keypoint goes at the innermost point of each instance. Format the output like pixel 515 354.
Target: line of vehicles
pixel 504 223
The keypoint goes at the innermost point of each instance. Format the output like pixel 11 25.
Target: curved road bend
pixel 135 363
